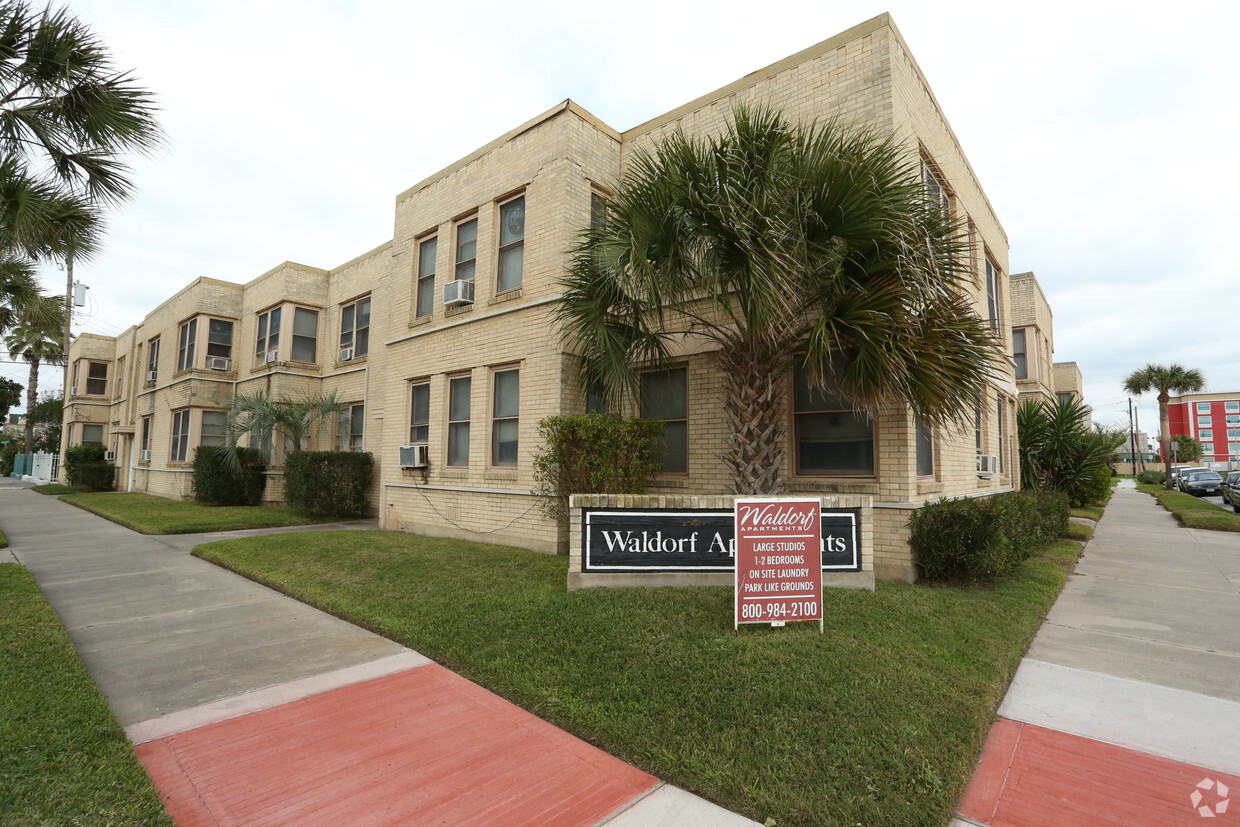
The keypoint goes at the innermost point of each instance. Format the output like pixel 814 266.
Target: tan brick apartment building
pixel 1038 375
pixel 471 376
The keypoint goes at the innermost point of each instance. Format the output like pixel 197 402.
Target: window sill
pixel 422 321
pixel 500 475
pixel 354 362
pixel 457 310
pixel 506 296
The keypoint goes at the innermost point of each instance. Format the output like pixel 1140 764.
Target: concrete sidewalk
pixel 1126 709
pixel 247 706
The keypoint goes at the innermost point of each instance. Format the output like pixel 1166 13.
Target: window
pixel 598 211
pixel 1018 354
pixel 1233 433
pixel 92 434
pixel 1206 436
pixel 936 190
pixel 664 396
pixel 1203 407
pixel 352 428
pixel 219 338
pixel 977 425
pixel 831 437
pixel 118 391
pixel 268 333
pixel 925 449
pixel 355 327
pixel 992 293
pixel 511 245
pixel 1232 420
pixel 97 378
pixel 1204 421
pixel 212 431
pixel 1232 407
pixel 999 429
pixel 458 420
pixel 152 359
pixel 466 249
pixel 1233 447
pixel 420 413
pixel 426 277
pixel 146 434
pixel 180 435
pixel 596 399
pixel 185 344
pixel 305 334
pixel 504 421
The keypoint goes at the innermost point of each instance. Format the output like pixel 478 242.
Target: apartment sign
pixel 777 549
pixel 696 540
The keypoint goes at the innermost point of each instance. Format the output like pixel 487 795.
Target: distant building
pixel 1038 376
pixel 1213 419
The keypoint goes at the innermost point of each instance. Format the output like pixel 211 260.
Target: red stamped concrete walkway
pixel 423 746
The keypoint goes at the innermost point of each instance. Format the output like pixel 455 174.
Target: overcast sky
pixel 1104 139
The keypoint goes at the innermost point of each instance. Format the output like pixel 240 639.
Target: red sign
pixel 778 561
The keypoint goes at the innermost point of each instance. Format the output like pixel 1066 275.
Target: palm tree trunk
pixel 1164 433
pixel 32 398
pixel 753 400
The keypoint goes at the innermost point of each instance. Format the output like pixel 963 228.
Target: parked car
pixel 1231 490
pixel 1185 470
pixel 1201 483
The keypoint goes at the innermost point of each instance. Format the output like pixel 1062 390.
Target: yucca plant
pixel 1060 451
pixel 782 244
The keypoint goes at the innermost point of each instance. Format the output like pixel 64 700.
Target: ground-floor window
pixel 925 448
pixel 664 395
pixel 180 435
pixel 505 423
pixel 352 428
pixel 92 434
pixel 831 437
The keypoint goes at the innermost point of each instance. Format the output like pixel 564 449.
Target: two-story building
pixel 444 337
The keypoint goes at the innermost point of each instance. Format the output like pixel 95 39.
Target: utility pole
pixel 1136 414
pixel 1132 437
pixel 64 350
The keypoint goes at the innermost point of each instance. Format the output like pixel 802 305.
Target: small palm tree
pixel 36 336
pixel 1059 451
pixel 782 245
pixel 262 418
pixel 1167 380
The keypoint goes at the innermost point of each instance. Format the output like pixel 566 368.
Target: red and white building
pixel 1213 419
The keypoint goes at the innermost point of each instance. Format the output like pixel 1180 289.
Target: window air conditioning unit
pixel 150 375
pixel 73 390
pixel 216 363
pixel 987 465
pixel 271 356
pixel 346 353
pixel 413 456
pixel 146 454
pixel 109 456
pixel 458 292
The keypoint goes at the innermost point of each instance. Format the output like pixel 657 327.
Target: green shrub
pixel 228 476
pixel 77 455
pixel 985 537
pixel 328 483
pixel 1152 477
pixel 594 454
pixel 97 476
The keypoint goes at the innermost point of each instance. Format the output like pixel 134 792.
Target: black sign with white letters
pixel 620 540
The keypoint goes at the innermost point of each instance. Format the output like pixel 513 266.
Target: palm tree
pixel 782 245
pixel 36 336
pixel 1167 380
pixel 1059 451
pixel 261 418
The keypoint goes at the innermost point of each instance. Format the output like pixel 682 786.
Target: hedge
pixel 985 537
pixel 328 483
pixel 228 476
pixel 77 455
pixel 97 476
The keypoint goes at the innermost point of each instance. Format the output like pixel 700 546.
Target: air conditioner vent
pixel 413 456
pixel 146 454
pixel 151 375
pixel 458 292
pixel 109 456
pixel 987 465
pixel 216 363
pixel 346 354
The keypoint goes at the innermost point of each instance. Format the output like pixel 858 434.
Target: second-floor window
pixel 185 344
pixel 219 338
pixel 425 300
pixel 466 249
pixel 992 294
pixel 1018 354
pixel 305 334
pixel 511 245
pixel 355 328
pixel 97 378
pixel 268 333
pixel 152 360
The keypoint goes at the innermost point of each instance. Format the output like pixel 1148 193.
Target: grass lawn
pixel 1079 531
pixel 149 514
pixel 1194 512
pixel 1089 512
pixel 877 722
pixel 57 488
pixel 65 759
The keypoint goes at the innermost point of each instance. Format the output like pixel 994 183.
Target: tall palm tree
pixel 1167 380
pixel 783 245
pixel 36 336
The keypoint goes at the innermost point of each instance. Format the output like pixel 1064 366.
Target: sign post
pixel 778 561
